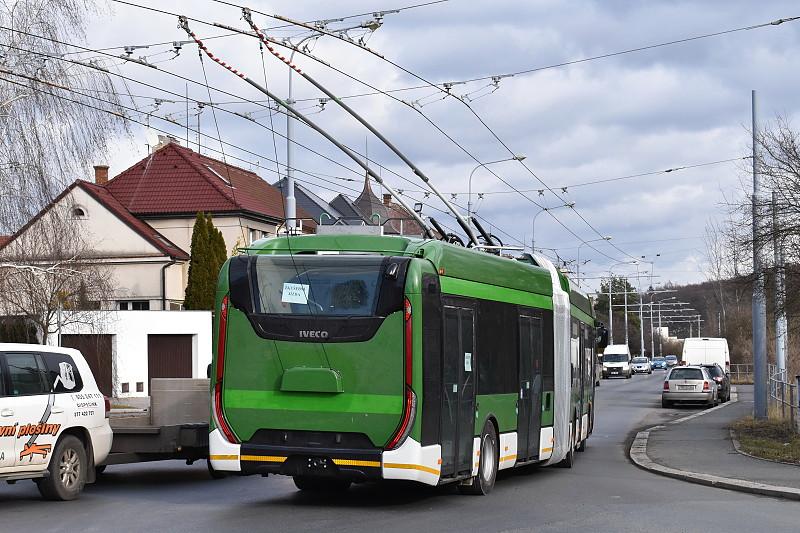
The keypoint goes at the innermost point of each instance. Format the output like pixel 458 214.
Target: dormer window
pixel 78 212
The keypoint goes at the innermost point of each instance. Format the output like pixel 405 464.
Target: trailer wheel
pixel 67 471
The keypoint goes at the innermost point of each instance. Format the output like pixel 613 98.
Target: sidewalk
pixel 698 448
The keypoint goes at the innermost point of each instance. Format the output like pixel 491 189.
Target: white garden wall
pixel 129 330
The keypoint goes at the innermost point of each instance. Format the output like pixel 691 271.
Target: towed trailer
pixel 174 427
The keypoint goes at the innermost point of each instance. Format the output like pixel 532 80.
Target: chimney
pixel 101 174
pixel 387 199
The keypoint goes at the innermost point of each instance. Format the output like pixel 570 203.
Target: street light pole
pixel 578 265
pixel 469 190
pixel 533 222
pixel 610 305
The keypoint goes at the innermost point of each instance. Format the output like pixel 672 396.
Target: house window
pixel 78 212
pixel 264 234
pixel 134 305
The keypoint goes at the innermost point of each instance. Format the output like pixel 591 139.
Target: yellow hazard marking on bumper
pixel 508 458
pixel 264 458
pixel 224 457
pixel 406 466
pixel 545 450
pixel 356 462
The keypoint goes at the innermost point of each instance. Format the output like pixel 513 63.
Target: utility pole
pixel 610 309
pixel 290 200
pixel 660 334
pixel 759 300
pixel 626 311
pixel 780 289
pixel 641 311
pixel 652 331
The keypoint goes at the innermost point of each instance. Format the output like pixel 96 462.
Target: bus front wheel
pixel 483 483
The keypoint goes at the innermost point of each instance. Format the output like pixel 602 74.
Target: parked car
pixel 641 365
pixel 659 363
pixel 672 360
pixel 689 384
pixel 53 419
pixel 722 379
pixel 617 361
pixel 707 350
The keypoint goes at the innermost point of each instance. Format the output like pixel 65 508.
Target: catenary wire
pixel 549 212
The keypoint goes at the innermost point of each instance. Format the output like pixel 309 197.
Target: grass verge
pixel 770 439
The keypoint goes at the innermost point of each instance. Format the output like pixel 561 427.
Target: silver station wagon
pixel 689 384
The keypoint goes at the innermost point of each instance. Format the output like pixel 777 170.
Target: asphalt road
pixel 603 492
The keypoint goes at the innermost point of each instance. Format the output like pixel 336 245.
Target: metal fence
pixel 741 374
pixel 783 395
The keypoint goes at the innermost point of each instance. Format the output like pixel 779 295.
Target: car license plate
pixel 685 387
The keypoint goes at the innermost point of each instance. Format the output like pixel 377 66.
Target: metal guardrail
pixel 783 395
pixel 741 373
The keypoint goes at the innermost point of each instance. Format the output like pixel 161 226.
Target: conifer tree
pixel 197 283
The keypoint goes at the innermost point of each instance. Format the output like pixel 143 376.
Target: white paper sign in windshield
pixel 295 293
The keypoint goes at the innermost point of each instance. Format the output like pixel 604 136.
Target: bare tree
pixel 49 275
pixel 47 141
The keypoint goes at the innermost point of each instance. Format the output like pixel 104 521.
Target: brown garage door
pixel 169 356
pixel 97 351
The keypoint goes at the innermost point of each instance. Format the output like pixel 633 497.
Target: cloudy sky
pixel 673 106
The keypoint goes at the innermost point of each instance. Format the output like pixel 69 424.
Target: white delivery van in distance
pixel 617 361
pixel 705 351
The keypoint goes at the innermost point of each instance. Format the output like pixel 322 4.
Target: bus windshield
pixel 318 285
pixel 615 357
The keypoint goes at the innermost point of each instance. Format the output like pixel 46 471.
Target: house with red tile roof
pixel 140 222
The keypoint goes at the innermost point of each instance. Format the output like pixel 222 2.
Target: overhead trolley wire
pixel 398 66
pixel 447 92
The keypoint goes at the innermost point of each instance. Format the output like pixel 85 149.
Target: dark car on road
pixel 659 363
pixel 722 380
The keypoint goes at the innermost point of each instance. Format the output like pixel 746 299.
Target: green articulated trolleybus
pixel 351 358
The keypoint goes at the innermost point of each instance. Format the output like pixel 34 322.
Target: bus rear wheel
pixel 320 484
pixel 483 483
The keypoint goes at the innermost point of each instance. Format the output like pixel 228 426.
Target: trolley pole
pixel 759 301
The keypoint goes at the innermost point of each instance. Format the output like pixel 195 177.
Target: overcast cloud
pixel 667 107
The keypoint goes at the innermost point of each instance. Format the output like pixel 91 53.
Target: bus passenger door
pixel 458 409
pixel 529 415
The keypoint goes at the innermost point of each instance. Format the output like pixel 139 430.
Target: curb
pixel 738 447
pixel 638 454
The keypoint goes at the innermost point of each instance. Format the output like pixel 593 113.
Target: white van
pixel 706 351
pixel 617 361
pixel 53 419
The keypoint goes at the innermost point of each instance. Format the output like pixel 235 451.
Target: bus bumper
pixel 413 462
pixel 224 455
pixel 356 465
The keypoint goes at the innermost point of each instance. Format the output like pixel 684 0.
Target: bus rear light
pixel 408 344
pixel 409 399
pixel 107 404
pixel 409 413
pixel 219 415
